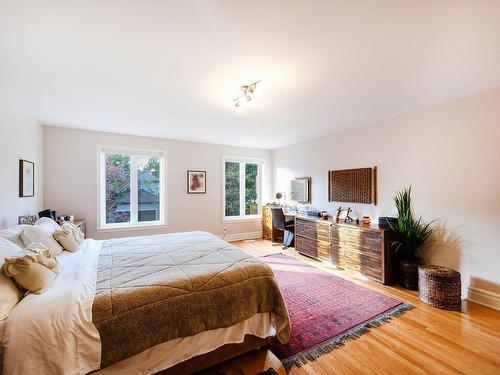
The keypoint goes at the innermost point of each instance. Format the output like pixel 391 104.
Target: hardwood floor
pixel 425 340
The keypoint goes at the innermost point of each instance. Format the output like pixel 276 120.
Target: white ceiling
pixel 171 68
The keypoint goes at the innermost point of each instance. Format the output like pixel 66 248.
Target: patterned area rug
pixel 325 310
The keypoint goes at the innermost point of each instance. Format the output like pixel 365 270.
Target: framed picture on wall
pixel 26 178
pixel 196 182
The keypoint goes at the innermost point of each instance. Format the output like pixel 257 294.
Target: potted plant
pixel 410 235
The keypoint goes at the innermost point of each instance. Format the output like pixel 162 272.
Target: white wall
pixel 20 138
pixel 450 154
pixel 71 180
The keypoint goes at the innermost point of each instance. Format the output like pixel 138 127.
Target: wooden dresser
pixel 268 232
pixel 363 248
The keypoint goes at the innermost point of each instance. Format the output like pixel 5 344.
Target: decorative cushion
pixel 33 271
pixel 13 234
pixel 69 236
pixel 10 295
pixel 42 232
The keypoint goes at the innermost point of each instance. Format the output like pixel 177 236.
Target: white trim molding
pixel 484 297
pixel 134 227
pixel 241 236
pixel 241 219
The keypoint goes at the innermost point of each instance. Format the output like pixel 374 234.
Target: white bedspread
pixel 52 333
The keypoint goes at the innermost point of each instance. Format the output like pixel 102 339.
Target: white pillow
pixel 10 295
pixel 48 223
pixel 13 234
pixel 43 233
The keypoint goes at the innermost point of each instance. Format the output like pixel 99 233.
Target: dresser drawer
pixel 313 248
pixel 323 250
pixel 306 246
pixel 313 229
pixel 360 263
pixel 357 239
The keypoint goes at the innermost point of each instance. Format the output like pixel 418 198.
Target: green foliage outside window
pixel 232 189
pixel 251 207
pixel 232 185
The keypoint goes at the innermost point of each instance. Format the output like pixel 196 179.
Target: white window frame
pixel 101 187
pixel 241 159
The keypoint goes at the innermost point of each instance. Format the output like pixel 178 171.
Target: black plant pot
pixel 408 273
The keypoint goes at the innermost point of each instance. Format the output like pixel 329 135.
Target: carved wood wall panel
pixel 353 185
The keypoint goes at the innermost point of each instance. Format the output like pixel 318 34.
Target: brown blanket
pixel 157 288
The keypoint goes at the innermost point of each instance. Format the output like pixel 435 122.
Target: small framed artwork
pixel 26 178
pixel 196 182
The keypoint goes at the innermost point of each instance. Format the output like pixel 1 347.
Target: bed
pixel 172 303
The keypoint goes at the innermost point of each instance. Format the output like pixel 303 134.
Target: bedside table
pixel 82 224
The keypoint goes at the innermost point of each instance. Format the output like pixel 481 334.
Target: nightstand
pixel 82 224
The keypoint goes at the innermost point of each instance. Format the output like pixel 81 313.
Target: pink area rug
pixel 325 310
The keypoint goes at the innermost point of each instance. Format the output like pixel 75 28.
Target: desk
pixel 268 231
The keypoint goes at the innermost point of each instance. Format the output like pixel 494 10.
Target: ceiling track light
pixel 247 92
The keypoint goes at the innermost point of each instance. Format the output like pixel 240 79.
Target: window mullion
pixel 259 187
pixel 102 180
pixel 134 195
pixel 242 189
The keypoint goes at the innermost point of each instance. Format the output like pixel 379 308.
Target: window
pixel 131 188
pixel 242 188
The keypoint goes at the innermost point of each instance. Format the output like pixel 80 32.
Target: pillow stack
pixel 34 268
pixel 42 232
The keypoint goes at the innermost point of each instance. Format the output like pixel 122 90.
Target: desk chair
pixel 288 227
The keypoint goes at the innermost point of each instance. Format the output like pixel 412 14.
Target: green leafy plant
pixel 410 232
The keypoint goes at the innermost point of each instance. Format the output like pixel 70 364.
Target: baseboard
pixel 484 297
pixel 242 236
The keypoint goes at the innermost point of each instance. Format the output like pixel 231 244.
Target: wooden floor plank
pixel 424 340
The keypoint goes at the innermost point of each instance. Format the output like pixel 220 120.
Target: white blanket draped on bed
pixel 52 333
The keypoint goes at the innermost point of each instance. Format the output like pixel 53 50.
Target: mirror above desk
pixel 300 190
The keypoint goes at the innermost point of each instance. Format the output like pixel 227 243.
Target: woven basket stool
pixel 440 287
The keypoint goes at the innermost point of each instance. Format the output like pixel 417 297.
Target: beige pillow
pixel 69 236
pixel 33 271
pixel 42 233
pixel 10 295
